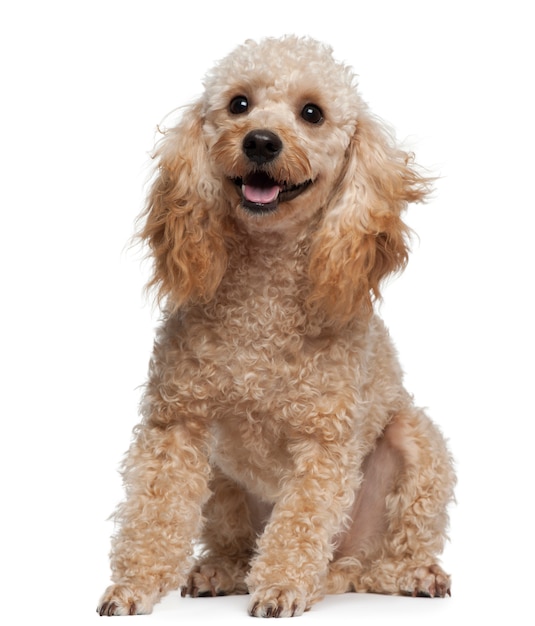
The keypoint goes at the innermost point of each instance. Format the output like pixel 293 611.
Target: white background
pixel 84 85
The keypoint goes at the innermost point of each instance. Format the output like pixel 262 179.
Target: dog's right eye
pixel 238 105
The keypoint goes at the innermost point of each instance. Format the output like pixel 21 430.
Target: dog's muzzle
pixel 260 192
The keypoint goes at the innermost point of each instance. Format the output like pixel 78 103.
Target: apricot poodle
pixel 277 441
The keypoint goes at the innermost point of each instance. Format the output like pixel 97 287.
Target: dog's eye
pixel 312 114
pixel 238 105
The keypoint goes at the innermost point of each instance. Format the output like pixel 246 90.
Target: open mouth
pixel 261 194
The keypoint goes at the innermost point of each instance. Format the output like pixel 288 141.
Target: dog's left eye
pixel 312 114
pixel 238 105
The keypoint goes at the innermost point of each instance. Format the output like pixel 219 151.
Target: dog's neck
pixel 269 254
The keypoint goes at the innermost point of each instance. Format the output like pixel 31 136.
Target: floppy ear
pixel 183 217
pixel 361 238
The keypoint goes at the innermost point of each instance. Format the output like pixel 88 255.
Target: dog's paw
pixel 214 579
pixel 124 600
pixel 278 602
pixel 428 582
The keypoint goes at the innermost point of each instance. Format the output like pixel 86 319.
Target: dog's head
pixel 279 117
pixel 281 141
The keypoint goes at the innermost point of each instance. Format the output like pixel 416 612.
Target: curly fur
pixel 275 427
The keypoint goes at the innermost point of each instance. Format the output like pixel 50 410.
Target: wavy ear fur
pixel 362 238
pixel 183 217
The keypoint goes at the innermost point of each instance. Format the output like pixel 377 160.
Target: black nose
pixel 261 146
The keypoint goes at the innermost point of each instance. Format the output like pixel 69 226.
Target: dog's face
pixel 278 123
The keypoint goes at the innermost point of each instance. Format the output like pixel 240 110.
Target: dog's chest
pixel 247 344
pixel 257 326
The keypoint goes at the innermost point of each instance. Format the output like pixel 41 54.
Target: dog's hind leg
pixel 399 518
pixel 233 520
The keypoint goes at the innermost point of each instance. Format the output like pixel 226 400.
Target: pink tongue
pixel 260 195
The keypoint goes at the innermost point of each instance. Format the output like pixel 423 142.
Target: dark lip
pixel 287 193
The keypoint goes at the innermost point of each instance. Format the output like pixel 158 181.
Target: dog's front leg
pixel 166 475
pixel 288 575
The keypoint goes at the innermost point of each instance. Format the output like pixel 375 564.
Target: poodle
pixel 277 443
